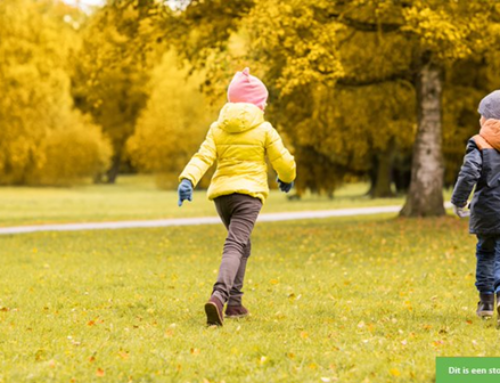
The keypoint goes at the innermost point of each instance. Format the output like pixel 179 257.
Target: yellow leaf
pixel 123 354
pixel 169 333
pixel 395 372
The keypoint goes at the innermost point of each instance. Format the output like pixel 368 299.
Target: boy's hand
pixel 284 187
pixel 185 191
pixel 460 211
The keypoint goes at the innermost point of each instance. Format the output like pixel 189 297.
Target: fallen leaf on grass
pixel 123 354
pixel 93 322
pixel 395 372
pixel 169 333
pixel 39 355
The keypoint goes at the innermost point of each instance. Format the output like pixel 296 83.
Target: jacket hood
pixel 239 117
pixel 490 131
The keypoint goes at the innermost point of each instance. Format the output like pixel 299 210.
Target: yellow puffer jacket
pixel 239 140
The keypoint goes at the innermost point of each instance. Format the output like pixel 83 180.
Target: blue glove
pixel 284 187
pixel 185 191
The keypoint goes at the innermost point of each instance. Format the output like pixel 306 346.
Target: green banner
pixel 467 370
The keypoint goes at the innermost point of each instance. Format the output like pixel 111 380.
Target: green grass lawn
pixel 138 198
pixel 335 300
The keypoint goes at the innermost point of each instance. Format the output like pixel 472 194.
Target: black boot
pixel 485 305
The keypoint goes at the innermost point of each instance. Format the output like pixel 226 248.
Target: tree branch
pixel 398 76
pixel 364 25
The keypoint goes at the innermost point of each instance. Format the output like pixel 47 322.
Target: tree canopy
pixel 173 124
pixel 379 90
pixel 43 139
pixel 341 70
pixel 111 70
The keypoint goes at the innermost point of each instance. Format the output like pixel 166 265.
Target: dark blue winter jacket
pixel 481 168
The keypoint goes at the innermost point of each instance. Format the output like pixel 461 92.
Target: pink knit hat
pixel 247 88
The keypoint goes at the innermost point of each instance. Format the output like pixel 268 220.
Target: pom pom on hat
pixel 247 88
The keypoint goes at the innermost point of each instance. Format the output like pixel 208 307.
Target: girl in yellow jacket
pixel 239 141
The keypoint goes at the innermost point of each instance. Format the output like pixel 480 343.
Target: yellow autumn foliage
pixel 173 124
pixel 40 131
pixel 72 154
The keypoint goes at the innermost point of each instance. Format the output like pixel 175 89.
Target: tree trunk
pixel 425 197
pixel 382 187
pixel 372 176
pixel 401 173
pixel 113 171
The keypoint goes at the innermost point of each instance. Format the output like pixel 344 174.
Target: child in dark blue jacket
pixel 481 168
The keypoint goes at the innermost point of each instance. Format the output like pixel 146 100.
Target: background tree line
pixel 383 90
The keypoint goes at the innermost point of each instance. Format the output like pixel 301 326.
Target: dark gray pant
pixel 238 213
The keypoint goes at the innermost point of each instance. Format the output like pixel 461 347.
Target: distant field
pixel 137 198
pixel 351 301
